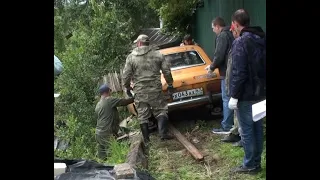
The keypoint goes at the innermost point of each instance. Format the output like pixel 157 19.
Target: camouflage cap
pixel 142 38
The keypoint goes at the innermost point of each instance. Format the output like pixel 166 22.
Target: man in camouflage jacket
pixel 143 67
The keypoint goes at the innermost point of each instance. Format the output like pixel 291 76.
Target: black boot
pixel 145 132
pixel 163 128
pixel 152 125
pixel 231 138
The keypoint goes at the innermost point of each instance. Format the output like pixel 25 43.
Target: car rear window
pixel 184 59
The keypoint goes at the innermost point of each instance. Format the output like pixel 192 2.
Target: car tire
pixel 216 110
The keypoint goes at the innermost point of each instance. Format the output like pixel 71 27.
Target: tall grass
pixel 118 151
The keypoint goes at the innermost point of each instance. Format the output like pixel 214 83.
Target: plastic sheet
pixel 92 170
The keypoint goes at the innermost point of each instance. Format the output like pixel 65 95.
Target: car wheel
pixel 216 111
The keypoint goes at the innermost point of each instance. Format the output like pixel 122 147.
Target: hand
pixel 129 92
pixel 233 103
pixel 209 71
pixel 170 88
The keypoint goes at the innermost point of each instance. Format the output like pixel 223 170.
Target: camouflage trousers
pixel 235 128
pixel 148 104
pixel 103 144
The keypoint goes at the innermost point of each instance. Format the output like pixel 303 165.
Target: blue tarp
pixel 57 66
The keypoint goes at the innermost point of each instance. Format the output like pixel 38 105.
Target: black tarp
pixel 92 170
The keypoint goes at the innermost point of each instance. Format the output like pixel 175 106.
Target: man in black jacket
pixel 223 44
pixel 247 86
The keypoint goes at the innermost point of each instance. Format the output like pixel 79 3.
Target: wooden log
pixel 126 135
pixel 188 145
pixel 137 156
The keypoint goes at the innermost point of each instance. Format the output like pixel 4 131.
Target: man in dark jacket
pixel 245 81
pixel 223 44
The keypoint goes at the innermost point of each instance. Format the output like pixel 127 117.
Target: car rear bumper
pixel 193 101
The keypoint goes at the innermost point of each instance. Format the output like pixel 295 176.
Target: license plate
pixel 188 93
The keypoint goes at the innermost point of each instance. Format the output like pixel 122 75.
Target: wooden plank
pixel 188 145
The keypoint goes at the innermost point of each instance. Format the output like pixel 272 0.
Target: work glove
pixel 170 88
pixel 129 92
pixel 209 71
pixel 233 103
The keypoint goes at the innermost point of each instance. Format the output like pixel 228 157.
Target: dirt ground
pixel 170 160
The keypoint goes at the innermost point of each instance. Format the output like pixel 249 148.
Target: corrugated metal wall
pixel 257 12
pixel 202 30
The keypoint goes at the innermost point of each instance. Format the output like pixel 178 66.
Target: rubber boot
pixel 152 125
pixel 163 128
pixel 145 132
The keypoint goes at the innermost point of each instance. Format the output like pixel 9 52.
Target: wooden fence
pixel 113 80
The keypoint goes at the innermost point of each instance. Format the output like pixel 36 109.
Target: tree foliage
pixel 102 33
pixel 175 14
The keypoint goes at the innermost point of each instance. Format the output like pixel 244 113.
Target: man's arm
pixel 125 102
pixel 127 73
pixel 239 73
pixel 220 51
pixel 57 66
pixel 116 102
pixel 166 71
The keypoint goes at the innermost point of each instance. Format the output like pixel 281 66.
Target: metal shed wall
pixel 202 30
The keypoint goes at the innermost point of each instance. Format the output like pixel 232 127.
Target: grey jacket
pixel 223 45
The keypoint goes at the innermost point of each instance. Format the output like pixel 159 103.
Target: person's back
pixel 256 45
pixel 143 67
pixel 252 43
pixel 146 63
pixel 108 116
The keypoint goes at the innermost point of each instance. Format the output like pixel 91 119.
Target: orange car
pixel 192 85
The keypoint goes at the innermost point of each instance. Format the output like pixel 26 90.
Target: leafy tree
pixel 175 14
pixel 102 33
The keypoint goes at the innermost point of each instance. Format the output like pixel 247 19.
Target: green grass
pixel 170 160
pixel 120 149
pixel 118 152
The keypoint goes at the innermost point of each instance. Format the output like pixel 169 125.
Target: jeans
pixel 251 134
pixel 228 114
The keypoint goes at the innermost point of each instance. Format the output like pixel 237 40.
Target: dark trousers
pixel 103 144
